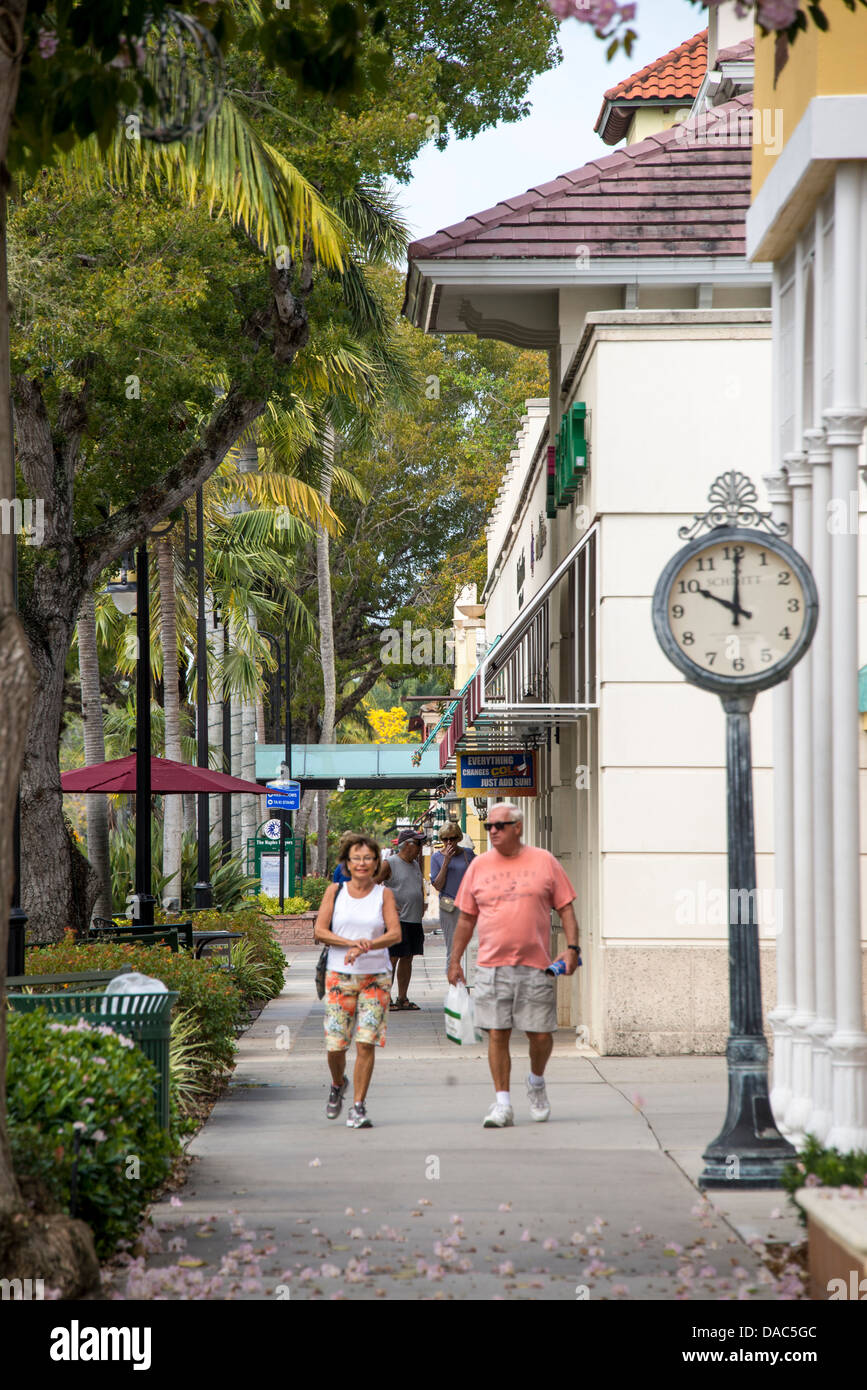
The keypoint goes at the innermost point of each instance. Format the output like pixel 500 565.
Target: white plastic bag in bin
pixel 460 1017
pixel 130 982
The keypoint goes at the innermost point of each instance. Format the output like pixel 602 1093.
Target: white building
pixel 631 273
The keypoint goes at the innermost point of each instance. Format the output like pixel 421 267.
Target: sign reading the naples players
pixel 283 796
pixel 502 773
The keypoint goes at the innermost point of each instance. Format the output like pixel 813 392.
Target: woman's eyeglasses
pixel 357 863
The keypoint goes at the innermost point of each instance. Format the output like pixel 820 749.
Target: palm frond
pixel 372 214
pixel 228 168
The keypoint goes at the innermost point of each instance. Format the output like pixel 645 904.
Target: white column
pixel 844 422
pixel 800 1105
pixel 820 1030
pixel 777 486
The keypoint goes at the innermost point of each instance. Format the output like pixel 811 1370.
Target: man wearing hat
pixel 402 873
pixel 447 868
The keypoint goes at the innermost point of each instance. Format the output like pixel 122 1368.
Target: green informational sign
pixel 263 860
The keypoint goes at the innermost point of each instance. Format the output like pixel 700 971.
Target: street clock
pixel 735 609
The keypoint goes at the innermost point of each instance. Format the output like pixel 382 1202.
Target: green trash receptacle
pixel 146 1018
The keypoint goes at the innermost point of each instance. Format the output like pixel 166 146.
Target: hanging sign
pixel 498 773
pixel 283 797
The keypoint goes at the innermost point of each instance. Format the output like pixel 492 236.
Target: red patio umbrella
pixel 167 777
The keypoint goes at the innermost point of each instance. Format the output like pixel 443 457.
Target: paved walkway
pixel 600 1202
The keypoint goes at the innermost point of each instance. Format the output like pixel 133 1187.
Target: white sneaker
pixel 538 1098
pixel 499 1116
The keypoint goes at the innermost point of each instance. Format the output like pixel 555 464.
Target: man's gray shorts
pixel 515 996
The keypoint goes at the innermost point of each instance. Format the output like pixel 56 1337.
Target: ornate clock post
pixel 735 610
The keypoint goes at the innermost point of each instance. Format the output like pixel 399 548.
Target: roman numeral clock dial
pixel 735 609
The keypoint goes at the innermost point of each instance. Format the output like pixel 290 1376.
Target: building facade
pixel 808 220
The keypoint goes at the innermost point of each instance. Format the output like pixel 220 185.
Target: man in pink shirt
pixel 510 891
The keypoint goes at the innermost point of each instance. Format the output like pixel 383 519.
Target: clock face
pixel 736 608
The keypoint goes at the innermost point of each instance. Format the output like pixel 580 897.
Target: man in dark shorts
pixel 402 873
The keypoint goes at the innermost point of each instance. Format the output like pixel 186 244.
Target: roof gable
pixel 675 77
pixel 682 192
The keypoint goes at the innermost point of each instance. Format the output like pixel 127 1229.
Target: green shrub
pixel 264 950
pixel 205 989
pixel 292 907
pixel 312 889
pixel 818 1167
pixel 187 1070
pixel 80 1109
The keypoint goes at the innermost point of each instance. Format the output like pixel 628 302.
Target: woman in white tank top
pixel 358 921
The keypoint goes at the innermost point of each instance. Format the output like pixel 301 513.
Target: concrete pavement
pixel 598 1203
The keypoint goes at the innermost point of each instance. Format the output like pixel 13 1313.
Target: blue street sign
pixel 286 797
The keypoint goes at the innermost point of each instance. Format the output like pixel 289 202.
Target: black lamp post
pixel 286 766
pixel 134 596
pixel 204 896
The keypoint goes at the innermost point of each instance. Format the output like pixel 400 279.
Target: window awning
pixel 507 702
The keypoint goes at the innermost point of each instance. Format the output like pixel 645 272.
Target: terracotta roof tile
pixel 737 52
pixel 682 192
pixel 675 77
pixel 678 73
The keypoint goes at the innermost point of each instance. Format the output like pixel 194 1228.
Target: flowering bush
pixel 81 1119
pixel 608 17
pixel 203 988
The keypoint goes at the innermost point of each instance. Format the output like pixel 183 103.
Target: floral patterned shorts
pixel 364 998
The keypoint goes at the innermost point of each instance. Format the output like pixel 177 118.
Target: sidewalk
pixel 600 1202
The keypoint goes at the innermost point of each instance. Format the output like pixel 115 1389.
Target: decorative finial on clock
pixel 732 497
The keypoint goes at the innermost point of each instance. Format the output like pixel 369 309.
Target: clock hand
pixel 736 607
pixel 706 593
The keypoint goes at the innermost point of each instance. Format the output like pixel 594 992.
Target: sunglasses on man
pixel 498 824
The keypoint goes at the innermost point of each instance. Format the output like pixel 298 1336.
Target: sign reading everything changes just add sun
pixel 499 774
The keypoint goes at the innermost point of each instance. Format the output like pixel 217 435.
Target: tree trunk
pixel 58 891
pixel 326 639
pixel 94 752
pixel 173 811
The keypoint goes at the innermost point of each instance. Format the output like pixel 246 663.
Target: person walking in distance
pixel 402 872
pixel 447 869
pixel 358 922
pixel 509 891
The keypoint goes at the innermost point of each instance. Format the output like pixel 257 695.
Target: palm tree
pixel 94 752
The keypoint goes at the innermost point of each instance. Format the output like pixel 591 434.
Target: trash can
pixel 143 1017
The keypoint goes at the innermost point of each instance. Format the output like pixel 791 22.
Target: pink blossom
pixel 777 14
pixel 812 1180
pixel 98 1136
pixel 79 1124
pixel 175 1202
pixel 47 43
pixel 505 1268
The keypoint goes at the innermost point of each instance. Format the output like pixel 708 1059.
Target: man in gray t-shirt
pixel 402 872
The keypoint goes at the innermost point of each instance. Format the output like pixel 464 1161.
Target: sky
pixel 557 136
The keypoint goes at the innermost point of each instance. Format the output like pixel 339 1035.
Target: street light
pixel 203 894
pixel 133 595
pixel 284 771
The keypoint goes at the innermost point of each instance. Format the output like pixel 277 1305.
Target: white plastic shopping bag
pixel 460 1017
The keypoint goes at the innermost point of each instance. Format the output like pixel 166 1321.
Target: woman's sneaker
pixel 499 1116
pixel 335 1099
pixel 358 1117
